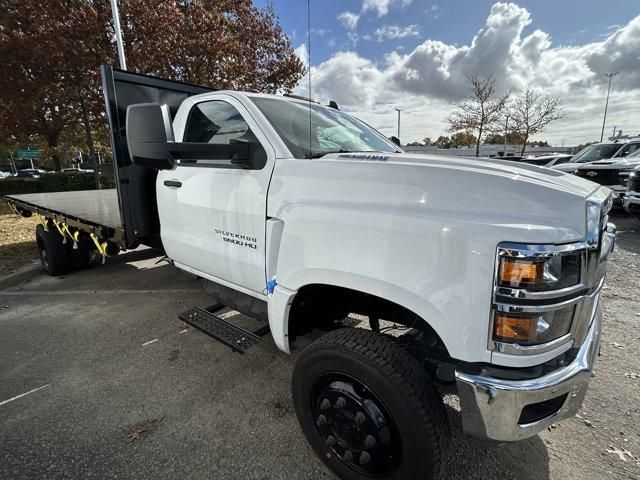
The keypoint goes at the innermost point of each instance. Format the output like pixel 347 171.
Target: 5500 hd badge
pixel 237 238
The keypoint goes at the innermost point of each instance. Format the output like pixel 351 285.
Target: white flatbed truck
pixel 482 276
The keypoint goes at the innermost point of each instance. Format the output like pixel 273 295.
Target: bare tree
pixel 481 110
pixel 531 112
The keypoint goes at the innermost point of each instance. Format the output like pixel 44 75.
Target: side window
pixel 214 122
pixel 220 123
pixel 628 149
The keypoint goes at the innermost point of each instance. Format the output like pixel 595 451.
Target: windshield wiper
pixel 342 150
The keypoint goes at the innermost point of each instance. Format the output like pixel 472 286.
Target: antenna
pixel 309 65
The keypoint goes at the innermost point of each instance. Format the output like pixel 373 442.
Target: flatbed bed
pixel 93 211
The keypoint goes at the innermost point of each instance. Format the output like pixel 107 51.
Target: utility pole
pixel 606 105
pixel 506 129
pixel 398 110
pixel 116 27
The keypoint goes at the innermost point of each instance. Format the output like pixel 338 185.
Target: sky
pixel 372 56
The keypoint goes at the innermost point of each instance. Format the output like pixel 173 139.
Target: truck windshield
pixel 331 130
pixel 596 152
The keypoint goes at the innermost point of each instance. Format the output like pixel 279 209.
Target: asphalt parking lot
pixel 124 390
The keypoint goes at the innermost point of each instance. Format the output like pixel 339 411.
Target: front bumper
pixel 492 408
pixel 632 202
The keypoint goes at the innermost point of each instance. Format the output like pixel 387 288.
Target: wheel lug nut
pixel 325 405
pixel 369 442
pixel 364 458
pixel 348 456
pixel 331 441
pixel 341 403
pixel 322 420
pixel 360 418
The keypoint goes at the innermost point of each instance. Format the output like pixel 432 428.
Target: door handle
pixel 173 183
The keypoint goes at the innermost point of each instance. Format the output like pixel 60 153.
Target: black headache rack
pixel 136 185
pixel 127 216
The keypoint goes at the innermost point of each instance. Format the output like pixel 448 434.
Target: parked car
pixel 612 173
pixel 599 151
pixel 5 174
pixel 558 159
pixel 631 199
pixel 77 170
pixel 29 173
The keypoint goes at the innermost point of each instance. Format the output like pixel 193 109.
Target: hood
pixel 518 171
pixel 614 164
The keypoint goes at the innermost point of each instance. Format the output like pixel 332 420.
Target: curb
pixel 20 275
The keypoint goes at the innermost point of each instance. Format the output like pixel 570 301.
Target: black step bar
pixel 237 338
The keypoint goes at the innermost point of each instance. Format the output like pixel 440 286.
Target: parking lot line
pixel 23 394
pixel 149 342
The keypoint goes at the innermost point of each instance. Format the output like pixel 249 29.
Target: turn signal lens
pixel 514 272
pixel 514 329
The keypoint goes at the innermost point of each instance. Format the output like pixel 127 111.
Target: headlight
pixel 532 329
pixel 539 275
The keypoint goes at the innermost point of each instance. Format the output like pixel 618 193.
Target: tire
pixel 353 384
pixel 80 257
pixel 53 254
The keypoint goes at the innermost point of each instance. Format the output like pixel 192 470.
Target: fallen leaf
pixel 621 453
pixel 136 432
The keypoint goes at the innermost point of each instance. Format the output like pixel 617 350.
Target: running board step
pixel 238 339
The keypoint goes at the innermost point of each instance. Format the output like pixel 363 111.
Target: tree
pixel 427 141
pixel 463 139
pixel 443 142
pixel 513 138
pixel 481 110
pixel 51 51
pixel 531 111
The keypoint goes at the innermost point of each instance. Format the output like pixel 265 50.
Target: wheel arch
pixel 354 294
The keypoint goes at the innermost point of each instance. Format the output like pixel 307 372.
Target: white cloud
pixel 433 75
pixel 381 7
pixel 349 19
pixel 394 31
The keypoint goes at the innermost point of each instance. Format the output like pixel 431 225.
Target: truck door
pixel 213 212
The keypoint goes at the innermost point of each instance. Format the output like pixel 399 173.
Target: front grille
pixel 603 176
pixel 636 183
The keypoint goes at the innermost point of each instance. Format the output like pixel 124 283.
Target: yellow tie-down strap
pixel 43 221
pixel 102 247
pixel 13 208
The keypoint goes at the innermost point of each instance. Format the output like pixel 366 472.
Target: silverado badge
pixel 592 174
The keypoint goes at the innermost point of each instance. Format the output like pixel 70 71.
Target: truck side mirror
pixel 149 133
pixel 396 140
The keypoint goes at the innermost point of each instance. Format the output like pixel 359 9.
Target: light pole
pixel 116 27
pixel 606 105
pixel 506 129
pixel 398 110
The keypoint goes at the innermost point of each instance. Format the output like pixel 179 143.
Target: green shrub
pixel 81 181
pixel 53 182
pixel 107 181
pixel 14 186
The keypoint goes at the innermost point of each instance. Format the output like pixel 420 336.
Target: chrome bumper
pixel 492 408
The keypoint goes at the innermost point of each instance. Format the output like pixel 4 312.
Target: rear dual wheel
pixel 58 257
pixel 53 254
pixel 368 409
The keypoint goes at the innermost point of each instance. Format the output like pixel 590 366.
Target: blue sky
pixel 373 55
pixel 568 22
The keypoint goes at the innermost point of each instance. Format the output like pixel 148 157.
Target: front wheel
pixel 368 409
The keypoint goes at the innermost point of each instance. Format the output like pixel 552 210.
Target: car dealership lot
pixel 125 390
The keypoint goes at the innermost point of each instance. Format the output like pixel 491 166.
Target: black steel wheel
pixel 368 409
pixel 53 254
